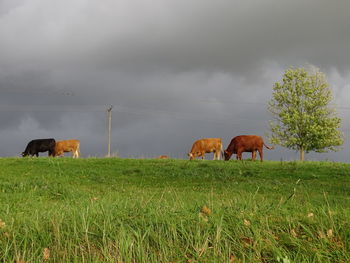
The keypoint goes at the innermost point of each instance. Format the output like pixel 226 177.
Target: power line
pixel 63 108
pixel 63 92
pixel 123 109
pixel 222 119
pixel 96 107
pixel 219 119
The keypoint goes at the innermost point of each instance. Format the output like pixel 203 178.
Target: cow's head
pixel 193 155
pixel 24 154
pixel 57 153
pixel 227 155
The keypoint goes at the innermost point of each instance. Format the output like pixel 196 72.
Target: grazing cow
pixel 206 145
pixel 40 145
pixel 68 146
pixel 163 157
pixel 246 143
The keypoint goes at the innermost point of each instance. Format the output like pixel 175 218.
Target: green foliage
pixel 123 210
pixel 303 117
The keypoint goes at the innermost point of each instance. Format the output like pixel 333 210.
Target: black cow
pixel 40 145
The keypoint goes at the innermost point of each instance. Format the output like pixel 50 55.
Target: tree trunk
pixel 302 154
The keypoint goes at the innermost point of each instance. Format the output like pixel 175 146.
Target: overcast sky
pixel 175 70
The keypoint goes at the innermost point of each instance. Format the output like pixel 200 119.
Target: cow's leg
pixel 203 153
pixel 239 155
pixel 78 150
pixel 253 155
pixel 37 154
pixel 261 153
pixel 214 152
pixel 218 154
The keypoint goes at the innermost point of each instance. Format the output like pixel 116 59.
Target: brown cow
pixel 246 143
pixel 163 157
pixel 206 145
pixel 68 146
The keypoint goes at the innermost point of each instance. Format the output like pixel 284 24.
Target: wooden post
pixel 109 112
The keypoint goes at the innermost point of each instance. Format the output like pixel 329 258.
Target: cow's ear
pixel 225 151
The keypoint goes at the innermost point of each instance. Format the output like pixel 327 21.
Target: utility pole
pixel 109 113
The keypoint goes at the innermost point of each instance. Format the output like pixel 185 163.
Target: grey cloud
pixel 175 70
pixel 220 35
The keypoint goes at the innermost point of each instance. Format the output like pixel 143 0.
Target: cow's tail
pixel 269 147
pixel 222 152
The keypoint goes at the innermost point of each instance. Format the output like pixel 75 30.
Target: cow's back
pixel 206 144
pixel 46 144
pixel 67 145
pixel 247 142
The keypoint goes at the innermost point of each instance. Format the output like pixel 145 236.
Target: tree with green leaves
pixel 304 118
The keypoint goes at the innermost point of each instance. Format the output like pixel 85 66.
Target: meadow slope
pixel 131 210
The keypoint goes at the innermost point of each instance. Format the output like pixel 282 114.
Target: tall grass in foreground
pixel 118 210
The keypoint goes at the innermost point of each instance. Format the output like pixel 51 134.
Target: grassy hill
pixel 123 210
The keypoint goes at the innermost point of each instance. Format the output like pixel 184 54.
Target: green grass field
pixel 124 210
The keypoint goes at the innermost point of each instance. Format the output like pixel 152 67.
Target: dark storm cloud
pixel 175 70
pixel 182 35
